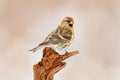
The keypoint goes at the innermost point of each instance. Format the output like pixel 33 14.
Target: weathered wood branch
pixel 50 64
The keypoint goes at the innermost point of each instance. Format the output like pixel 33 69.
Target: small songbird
pixel 61 38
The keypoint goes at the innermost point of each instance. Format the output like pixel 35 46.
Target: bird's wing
pixel 59 35
pixel 53 38
pixel 66 34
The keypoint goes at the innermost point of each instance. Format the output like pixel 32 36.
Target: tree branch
pixel 50 64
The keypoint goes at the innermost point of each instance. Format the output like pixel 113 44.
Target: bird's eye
pixel 71 25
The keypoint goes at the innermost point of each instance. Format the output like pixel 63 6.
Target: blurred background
pixel 26 23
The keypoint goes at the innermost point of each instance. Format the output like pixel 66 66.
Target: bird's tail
pixel 36 48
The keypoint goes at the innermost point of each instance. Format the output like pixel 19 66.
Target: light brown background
pixel 25 23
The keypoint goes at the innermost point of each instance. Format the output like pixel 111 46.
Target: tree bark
pixel 50 64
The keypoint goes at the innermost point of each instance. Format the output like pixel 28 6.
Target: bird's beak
pixel 71 22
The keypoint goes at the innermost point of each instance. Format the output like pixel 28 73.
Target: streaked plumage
pixel 61 38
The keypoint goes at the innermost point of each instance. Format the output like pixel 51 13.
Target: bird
pixel 60 38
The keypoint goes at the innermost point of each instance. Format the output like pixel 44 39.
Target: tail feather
pixel 36 48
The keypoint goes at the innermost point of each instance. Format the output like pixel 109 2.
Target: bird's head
pixel 67 22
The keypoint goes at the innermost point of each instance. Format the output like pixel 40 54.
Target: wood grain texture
pixel 50 64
